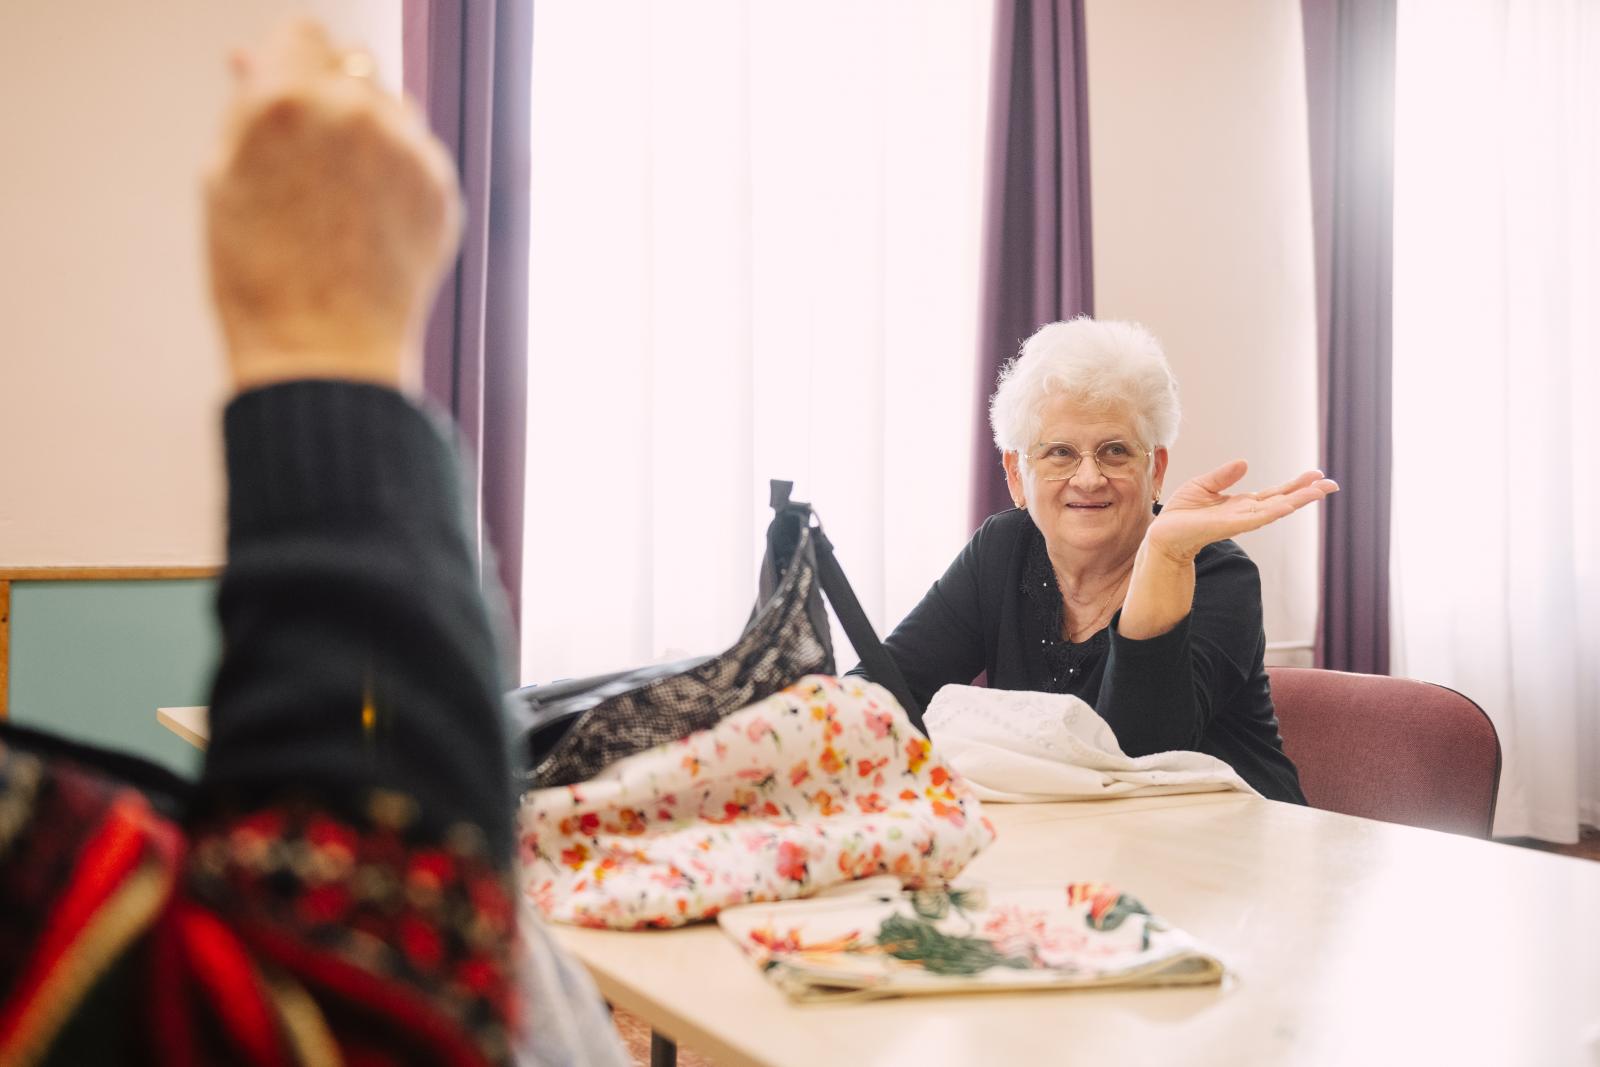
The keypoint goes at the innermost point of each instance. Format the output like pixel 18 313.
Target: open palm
pixel 1203 511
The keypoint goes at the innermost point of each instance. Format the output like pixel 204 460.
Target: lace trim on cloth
pixel 1065 661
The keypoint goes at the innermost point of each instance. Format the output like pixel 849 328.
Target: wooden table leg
pixel 663 1053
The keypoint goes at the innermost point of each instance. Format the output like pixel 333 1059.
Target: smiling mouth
pixel 1090 507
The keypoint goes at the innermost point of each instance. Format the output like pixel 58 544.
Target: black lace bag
pixel 571 730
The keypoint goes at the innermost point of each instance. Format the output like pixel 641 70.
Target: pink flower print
pixel 792 862
pixel 528 848
pixel 878 722
pixel 757 729
pixel 1022 932
pixel 799 773
pixel 671 878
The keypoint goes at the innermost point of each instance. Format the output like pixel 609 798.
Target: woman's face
pixel 1089 513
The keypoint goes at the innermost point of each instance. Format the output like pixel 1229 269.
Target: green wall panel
pixel 94 660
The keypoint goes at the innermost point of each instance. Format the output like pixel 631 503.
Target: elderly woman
pixel 1091 586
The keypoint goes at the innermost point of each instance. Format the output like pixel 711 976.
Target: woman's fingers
pixel 1294 484
pixel 1223 477
pixel 1270 508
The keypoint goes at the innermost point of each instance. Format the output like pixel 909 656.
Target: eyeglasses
pixel 1058 461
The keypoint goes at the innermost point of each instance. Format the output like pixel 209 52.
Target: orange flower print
pixel 950 813
pixel 917 749
pixel 939 775
pixel 818 712
pixel 692 765
pixel 799 773
pixel 871 803
pixel 829 761
pixel 576 856
pixel 908 794
pixel 822 800
pixel 867 766
pixel 792 862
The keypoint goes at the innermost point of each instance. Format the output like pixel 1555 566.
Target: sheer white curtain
pixel 755 255
pixel 1497 396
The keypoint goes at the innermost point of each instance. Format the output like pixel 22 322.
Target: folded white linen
pixel 1022 747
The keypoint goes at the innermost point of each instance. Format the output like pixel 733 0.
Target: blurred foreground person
pixel 336 887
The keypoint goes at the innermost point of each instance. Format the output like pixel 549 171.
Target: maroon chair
pixel 1389 748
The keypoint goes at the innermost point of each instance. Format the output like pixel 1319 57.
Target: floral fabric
pixel 822 783
pixel 877 944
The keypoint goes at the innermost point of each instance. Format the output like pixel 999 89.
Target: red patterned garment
pixel 278 937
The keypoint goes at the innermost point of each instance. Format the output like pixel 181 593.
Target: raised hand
pixel 331 212
pixel 1202 511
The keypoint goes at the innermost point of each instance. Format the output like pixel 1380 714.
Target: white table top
pixel 1350 942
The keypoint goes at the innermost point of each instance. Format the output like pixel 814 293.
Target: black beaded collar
pixel 1065 662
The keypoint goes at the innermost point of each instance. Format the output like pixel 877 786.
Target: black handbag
pixel 571 730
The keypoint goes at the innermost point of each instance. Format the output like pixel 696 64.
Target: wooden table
pixel 1350 942
pixel 191 724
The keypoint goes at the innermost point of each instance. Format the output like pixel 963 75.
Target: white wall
pixel 1202 231
pixel 109 365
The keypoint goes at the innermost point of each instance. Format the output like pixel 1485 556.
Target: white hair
pixel 1096 363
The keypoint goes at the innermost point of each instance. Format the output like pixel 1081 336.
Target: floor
pixel 636 1037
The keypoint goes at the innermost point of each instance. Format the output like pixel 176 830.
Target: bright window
pixel 755 254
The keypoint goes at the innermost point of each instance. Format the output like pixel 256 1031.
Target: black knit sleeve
pixel 941 641
pixel 357 654
pixel 1160 694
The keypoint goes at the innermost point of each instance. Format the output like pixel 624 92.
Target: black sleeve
pixel 357 653
pixel 941 641
pixel 1161 694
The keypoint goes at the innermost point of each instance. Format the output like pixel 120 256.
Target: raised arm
pixel 353 820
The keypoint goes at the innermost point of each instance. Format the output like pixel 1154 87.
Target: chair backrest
pixel 1389 748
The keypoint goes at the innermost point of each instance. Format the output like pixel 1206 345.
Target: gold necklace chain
pixel 1106 603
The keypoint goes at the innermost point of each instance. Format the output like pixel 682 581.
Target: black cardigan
pixel 1200 687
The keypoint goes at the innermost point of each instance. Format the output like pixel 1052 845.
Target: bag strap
pixel 880 666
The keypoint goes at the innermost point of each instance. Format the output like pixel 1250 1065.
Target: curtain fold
pixel 468 65
pixel 1037 266
pixel 1350 49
